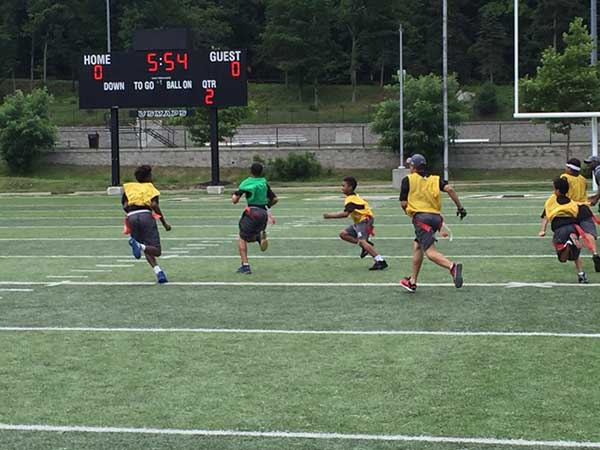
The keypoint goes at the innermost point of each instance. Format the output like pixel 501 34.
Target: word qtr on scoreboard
pixel 164 79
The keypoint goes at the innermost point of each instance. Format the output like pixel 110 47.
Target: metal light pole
pixel 108 25
pixel 401 80
pixel 445 82
pixel 594 31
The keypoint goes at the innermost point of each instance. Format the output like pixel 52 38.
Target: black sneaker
pixel 456 273
pixel 379 265
pixel 406 284
pixel 244 269
pixel 363 252
pixel 596 259
pixel 582 279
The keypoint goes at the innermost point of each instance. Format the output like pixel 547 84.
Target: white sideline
pixel 120 258
pixel 303 332
pixel 271 238
pixel 69 283
pixel 302 435
pixel 233 225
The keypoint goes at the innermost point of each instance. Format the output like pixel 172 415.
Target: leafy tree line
pixel 304 42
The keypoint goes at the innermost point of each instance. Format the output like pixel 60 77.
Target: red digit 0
pixel 235 69
pixel 208 98
pixel 151 59
pixel 98 73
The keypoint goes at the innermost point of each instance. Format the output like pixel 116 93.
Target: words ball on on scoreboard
pixel 164 79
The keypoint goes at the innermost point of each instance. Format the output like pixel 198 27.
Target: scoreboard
pixel 164 79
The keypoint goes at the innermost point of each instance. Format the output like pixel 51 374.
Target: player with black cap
pixel 578 193
pixel 420 198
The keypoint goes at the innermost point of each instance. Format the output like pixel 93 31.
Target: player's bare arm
pixel 543 227
pixel 340 215
pixel 156 208
pixel 460 210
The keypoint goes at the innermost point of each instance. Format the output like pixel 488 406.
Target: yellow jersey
pixel 424 195
pixel 577 188
pixel 358 208
pixel 140 194
pixel 554 208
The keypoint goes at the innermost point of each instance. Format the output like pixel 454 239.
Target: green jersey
pixel 257 191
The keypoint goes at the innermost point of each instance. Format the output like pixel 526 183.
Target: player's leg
pixel 349 234
pixel 589 228
pixel 361 230
pixel 247 233
pixel 417 262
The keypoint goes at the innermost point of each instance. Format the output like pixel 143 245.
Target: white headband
pixel 573 167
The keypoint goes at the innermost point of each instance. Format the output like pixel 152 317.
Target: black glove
pixel 461 212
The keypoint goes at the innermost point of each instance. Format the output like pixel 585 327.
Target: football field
pixel 311 351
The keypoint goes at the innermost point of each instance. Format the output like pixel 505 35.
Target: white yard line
pixel 512 284
pixel 115 265
pixel 91 270
pixel 303 332
pixel 302 224
pixel 15 290
pixel 283 238
pixel 194 247
pixel 303 435
pixel 66 276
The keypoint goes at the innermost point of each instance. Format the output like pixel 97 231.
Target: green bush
pixel 486 102
pixel 25 129
pixel 294 167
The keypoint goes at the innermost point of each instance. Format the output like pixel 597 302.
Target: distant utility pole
pixel 401 80
pixel 594 31
pixel 445 82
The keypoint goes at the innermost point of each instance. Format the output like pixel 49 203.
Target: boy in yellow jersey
pixel 140 202
pixel 578 193
pixel 420 198
pixel 362 216
pixel 562 214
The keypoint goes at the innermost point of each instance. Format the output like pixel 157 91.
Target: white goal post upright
pixel 544 115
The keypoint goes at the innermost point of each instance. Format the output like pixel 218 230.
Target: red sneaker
pixel 406 284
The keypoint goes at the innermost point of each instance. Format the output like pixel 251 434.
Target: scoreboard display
pixel 163 79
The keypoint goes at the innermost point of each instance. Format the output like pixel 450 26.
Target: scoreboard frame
pixel 164 78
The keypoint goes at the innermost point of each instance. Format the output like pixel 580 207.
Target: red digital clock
pixel 166 60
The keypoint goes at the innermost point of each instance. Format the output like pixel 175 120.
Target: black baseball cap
pixel 592 159
pixel 418 161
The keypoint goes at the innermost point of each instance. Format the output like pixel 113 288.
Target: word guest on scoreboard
pixel 164 79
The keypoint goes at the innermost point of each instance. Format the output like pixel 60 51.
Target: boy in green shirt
pixel 253 222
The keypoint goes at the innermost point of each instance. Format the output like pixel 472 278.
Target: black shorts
pixel 561 237
pixel 252 222
pixel 426 225
pixel 143 228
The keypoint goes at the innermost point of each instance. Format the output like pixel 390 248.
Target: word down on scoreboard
pixel 164 79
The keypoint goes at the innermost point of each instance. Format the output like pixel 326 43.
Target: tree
pixel 491 40
pixel 207 20
pixel 25 129
pixel 565 82
pixel 486 102
pixel 298 37
pixel 423 116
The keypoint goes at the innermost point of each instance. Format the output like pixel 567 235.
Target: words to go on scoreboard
pixel 164 79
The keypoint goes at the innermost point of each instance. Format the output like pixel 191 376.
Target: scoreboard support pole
pixel 114 147
pixel 213 117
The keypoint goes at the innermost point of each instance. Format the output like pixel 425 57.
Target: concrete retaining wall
pixel 472 156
